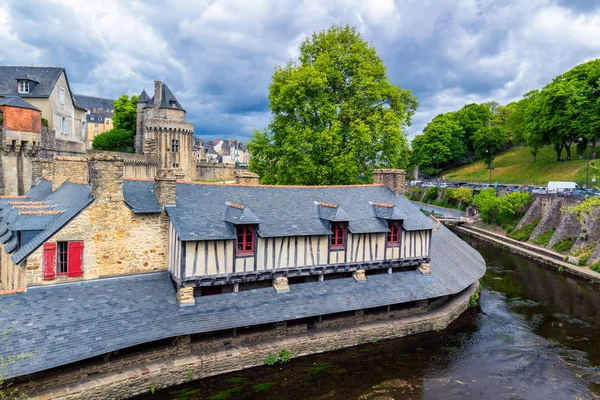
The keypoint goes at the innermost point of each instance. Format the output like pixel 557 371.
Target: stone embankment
pixel 531 251
pixel 178 369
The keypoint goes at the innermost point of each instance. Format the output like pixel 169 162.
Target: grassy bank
pixel 515 167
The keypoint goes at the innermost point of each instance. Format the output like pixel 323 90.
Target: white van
pixel 557 187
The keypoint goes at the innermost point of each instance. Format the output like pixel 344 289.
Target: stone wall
pixel 117 241
pixel 64 168
pixel 214 172
pixel 243 177
pixel 167 366
pixel 139 166
pixel 52 146
pixel 533 213
pixel 17 148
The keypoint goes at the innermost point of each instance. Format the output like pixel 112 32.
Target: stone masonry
pixel 246 178
pixel 395 179
pixel 117 241
pixel 172 366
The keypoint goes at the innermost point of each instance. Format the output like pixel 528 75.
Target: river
pixel 536 336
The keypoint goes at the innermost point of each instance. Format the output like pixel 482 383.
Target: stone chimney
pixel 106 177
pixel 157 93
pixel 246 178
pixel 395 179
pixel 165 184
pixel 64 168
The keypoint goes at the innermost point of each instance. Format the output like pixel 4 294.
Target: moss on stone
pixel 225 394
pixel 564 245
pixel 544 238
pixel 262 387
pixel 522 234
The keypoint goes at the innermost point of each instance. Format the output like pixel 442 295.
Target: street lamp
pixel 587 167
pixel 489 164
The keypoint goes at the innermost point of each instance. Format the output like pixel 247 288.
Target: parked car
pixel 592 192
pixel 540 190
pixel 573 192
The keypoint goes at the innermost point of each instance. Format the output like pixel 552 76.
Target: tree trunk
pixel 558 149
pixel 594 149
pixel 568 149
pixel 533 158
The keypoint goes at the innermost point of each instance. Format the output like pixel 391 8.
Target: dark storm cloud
pixel 218 56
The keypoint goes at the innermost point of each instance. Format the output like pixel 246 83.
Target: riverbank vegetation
pixel 524 233
pixel 504 210
pixel 459 198
pixel 563 114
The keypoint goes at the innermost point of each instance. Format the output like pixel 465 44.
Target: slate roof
pixel 65 202
pixel 139 196
pixel 95 104
pixel 16 101
pixel 97 117
pixel 166 98
pixel 45 76
pixel 70 322
pixel 285 211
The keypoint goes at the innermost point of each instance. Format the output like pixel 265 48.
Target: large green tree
pixel 125 113
pixel 488 141
pixel 441 143
pixel 472 117
pixel 335 115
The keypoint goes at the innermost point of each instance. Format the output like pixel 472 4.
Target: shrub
pixel 544 238
pixel 563 245
pixel 504 211
pixel 584 253
pixel 431 194
pixel 595 266
pixel 463 196
pixel 114 140
pixel 524 232
pixel 45 122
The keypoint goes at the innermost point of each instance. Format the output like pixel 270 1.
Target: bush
pixel 463 196
pixel 595 266
pixel 563 245
pixel 45 122
pixel 114 140
pixel 584 253
pixel 431 194
pixel 544 238
pixel 504 211
pixel 524 232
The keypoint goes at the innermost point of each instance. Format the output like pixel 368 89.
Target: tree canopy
pixel 114 140
pixel 335 115
pixel 125 113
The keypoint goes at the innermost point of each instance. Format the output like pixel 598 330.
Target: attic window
pixel 338 239
pixel 173 103
pixel 244 240
pixel 23 86
pixel 393 236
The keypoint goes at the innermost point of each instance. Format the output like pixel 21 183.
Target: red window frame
pixel 244 242
pixel 393 236
pixel 338 239
pixel 63 259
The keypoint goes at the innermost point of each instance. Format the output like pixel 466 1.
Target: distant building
pixel 99 116
pixel 47 89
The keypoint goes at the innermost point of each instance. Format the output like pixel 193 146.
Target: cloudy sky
pixel 218 55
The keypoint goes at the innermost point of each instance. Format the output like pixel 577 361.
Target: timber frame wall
pixel 214 262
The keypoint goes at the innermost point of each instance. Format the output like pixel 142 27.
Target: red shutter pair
pixel 74 260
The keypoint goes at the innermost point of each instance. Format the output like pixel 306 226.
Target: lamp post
pixel 489 164
pixel 587 167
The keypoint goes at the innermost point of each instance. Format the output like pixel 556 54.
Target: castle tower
pixel 163 133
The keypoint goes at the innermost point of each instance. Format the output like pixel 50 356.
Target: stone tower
pixel 20 137
pixel 162 133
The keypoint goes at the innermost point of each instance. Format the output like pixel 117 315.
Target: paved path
pixel 537 253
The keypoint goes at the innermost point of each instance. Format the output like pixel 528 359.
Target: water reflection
pixel 534 338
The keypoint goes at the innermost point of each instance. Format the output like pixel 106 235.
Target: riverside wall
pixel 186 359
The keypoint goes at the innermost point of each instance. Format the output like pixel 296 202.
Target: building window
pixel 175 145
pixel 95 133
pixel 338 239
pixel 175 165
pixel 62 259
pixel 96 125
pixel 393 236
pixel 62 96
pixel 23 86
pixel 64 126
pixel 245 240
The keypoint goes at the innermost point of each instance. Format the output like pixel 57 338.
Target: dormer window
pixel 338 239
pixel 245 240
pixel 393 236
pixel 23 86
pixel 173 103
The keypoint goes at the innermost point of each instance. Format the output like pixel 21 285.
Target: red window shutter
pixel 49 261
pixel 75 259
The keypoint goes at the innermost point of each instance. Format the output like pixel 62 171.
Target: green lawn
pixel 515 167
